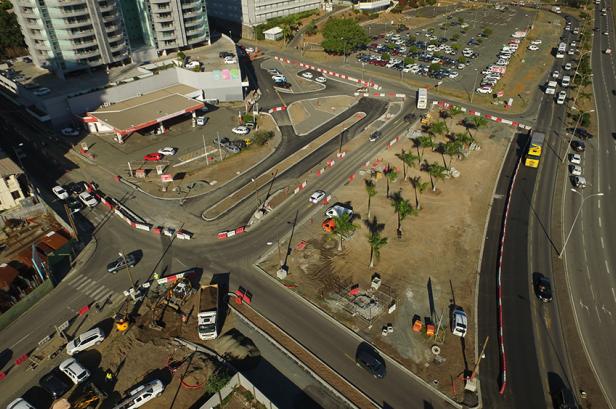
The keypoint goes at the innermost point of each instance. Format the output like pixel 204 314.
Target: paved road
pixel 589 259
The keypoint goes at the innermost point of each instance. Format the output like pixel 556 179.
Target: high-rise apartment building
pixel 250 13
pixel 70 35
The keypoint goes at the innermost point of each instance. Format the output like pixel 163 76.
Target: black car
pixel 75 187
pixel 578 146
pixel 375 135
pixel 543 288
pixel 282 84
pixel 224 54
pixel 55 383
pixel 75 205
pixel 121 262
pixel 581 132
pixel 410 118
pixel 371 361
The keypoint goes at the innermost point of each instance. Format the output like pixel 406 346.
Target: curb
pixel 83 257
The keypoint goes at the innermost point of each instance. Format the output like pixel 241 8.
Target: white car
pixel 608 51
pixel 74 370
pixel 321 80
pixel 279 78
pixel 230 60
pixel 575 158
pixel 167 151
pixel 605 33
pixel 240 130
pixel 562 97
pixel 84 341
pixel 536 42
pixel 575 170
pixel 69 132
pixel 533 47
pixel 459 322
pixel 461 66
pixel 87 199
pixel 555 74
pixel 201 120
pixel 39 92
pixel 60 192
pixel 568 66
pixel 143 394
pixel 307 74
pixel 571 51
pixel 317 196
pixel 484 90
pixel 338 211
pixel 453 74
pixel 550 91
pixel 20 403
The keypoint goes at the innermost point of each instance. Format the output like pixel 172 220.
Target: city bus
pixel 535 149
pixel 422 98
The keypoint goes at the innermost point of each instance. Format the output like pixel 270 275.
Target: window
pixel 16 194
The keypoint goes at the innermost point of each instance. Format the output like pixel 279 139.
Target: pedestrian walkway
pixel 93 289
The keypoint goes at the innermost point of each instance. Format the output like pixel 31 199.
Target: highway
pixel 590 262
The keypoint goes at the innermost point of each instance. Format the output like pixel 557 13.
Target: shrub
pixel 261 137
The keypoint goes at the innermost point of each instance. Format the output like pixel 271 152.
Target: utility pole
pixel 207 162
pixel 69 215
pixel 219 146
pixel 127 267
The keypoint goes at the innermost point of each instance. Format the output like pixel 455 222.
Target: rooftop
pixel 147 110
pixel 7 166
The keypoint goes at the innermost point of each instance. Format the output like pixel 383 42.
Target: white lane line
pixel 28 334
pixel 607 267
pixel 117 298
pixel 598 204
pixel 76 280
pixel 597 311
pixel 602 244
pixel 614 294
pixel 104 296
pixel 97 292
pixel 600 222
pixel 84 283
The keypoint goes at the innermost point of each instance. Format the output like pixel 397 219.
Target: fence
pixel 25 303
pixel 238 380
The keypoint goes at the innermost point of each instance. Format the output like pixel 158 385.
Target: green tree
pixel 434 67
pixel 423 142
pixel 390 175
pixel 478 122
pixel 438 128
pixel 462 60
pixel 217 380
pixel 419 186
pixel 455 37
pixel 409 60
pixel 402 208
pixel 453 148
pixel 385 57
pixel 12 42
pixel 311 29
pixel 376 242
pixel 371 191
pixel 455 110
pixel 455 46
pixel 180 56
pixel 344 227
pixel 287 32
pixel 487 32
pixel 407 159
pixel 343 35
pixel 436 172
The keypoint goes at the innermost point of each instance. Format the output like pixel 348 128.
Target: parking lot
pixel 452 51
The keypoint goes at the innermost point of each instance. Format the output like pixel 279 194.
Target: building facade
pixel 11 191
pixel 251 13
pixel 72 35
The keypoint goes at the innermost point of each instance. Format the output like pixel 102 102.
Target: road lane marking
pixel 77 280
pixel 600 221
pixel 597 311
pixel 26 336
pixel 607 267
pixel 598 204
pixel 87 281
pixel 584 306
pixel 614 294
pixel 602 244
pixel 98 292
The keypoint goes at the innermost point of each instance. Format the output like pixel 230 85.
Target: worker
pixel 108 376
pixel 122 325
pixel 155 276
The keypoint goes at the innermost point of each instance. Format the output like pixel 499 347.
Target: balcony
pixel 32 23
pixel 196 39
pixel 193 22
pixel 162 17
pixel 194 13
pixel 29 12
pixel 84 43
pixel 189 4
pixel 70 35
pixel 117 47
pixel 160 1
pixel 63 3
pixel 111 17
pixel 111 27
pixel 74 23
pixel 38 35
pixel 27 3
pixel 160 27
pixel 107 7
pixel 87 53
pixel 115 37
pixel 62 12
pixel 167 44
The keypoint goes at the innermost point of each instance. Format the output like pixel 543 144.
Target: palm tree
pixel 436 172
pixel 419 186
pixel 408 159
pixel 465 139
pixel 344 227
pixel 376 243
pixel 390 175
pixel 438 128
pixel 287 32
pixel 371 190
pixel 478 122
pixel 423 142
pixel 402 208
pixel 452 148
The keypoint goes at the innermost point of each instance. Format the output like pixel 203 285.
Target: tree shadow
pixel 374 226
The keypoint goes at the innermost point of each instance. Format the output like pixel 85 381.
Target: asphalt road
pixel 590 262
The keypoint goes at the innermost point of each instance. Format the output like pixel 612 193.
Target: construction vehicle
pixel 123 317
pixel 208 311
pixel 535 149
pixel 90 397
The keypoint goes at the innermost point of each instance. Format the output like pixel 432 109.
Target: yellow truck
pixel 535 149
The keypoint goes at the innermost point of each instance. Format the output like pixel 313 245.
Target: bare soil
pixel 433 263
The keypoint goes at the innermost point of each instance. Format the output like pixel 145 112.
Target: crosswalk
pixel 93 289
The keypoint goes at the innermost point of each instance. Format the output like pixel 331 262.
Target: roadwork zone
pixel 266 177
pixel 331 379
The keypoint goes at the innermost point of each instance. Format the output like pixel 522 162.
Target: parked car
pixel 533 47
pixel 75 205
pixel 55 383
pixel 568 66
pixel 562 97
pixel 60 192
pixel 321 80
pixel 241 130
pixel 230 60
pixel 75 187
pixel 225 54
pixel 575 159
pixel 20 403
pixel 578 146
pixel 143 394
pixel 317 196
pixel 555 74
pixel 543 288
pixel 167 151
pixel 459 322
pixel 84 341
pixel 153 157
pixel 74 371
pixel 201 120
pixel 578 181
pixel 307 74
pixel 279 78
pixel 118 264
pixel 69 132
pixel 575 170
pixel 87 199
pixel 282 84
pixel 338 210
pixel 42 91
pixel 232 148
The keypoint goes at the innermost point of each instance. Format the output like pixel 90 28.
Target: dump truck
pixel 208 311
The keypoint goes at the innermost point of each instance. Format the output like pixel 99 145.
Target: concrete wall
pixel 8 185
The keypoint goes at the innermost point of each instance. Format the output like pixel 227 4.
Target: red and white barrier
pixel 143 226
pixel 327 199
pixel 183 234
pixel 515 124
pixel 277 109
pixel 393 142
pixel 156 230
pixel 341 155
pixel 222 235
pixel 331 163
pixel 320 171
pixel 174 277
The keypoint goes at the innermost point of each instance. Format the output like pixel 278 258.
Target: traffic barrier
pixel 222 235
pixel 352 177
pixel 277 109
pixel 231 233
pixel 168 231
pixel 84 310
pixel 320 171
pixel 240 230
pixel 331 163
pixel 296 190
pixel 341 155
pixel 143 226
pixel 156 230
pixel 393 142
pixel 327 199
pixel 174 277
pixel 515 124
pixel 21 359
pixel 106 202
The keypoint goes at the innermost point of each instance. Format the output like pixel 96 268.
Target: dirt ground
pixel 217 172
pixel 434 263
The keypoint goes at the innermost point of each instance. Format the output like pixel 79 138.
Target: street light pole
pixel 576 217
pixel 126 266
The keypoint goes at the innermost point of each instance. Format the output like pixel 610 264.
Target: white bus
pixel 562 49
pixel 422 98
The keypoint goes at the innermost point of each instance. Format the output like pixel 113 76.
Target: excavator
pixel 90 397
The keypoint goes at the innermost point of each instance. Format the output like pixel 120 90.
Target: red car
pixel 153 157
